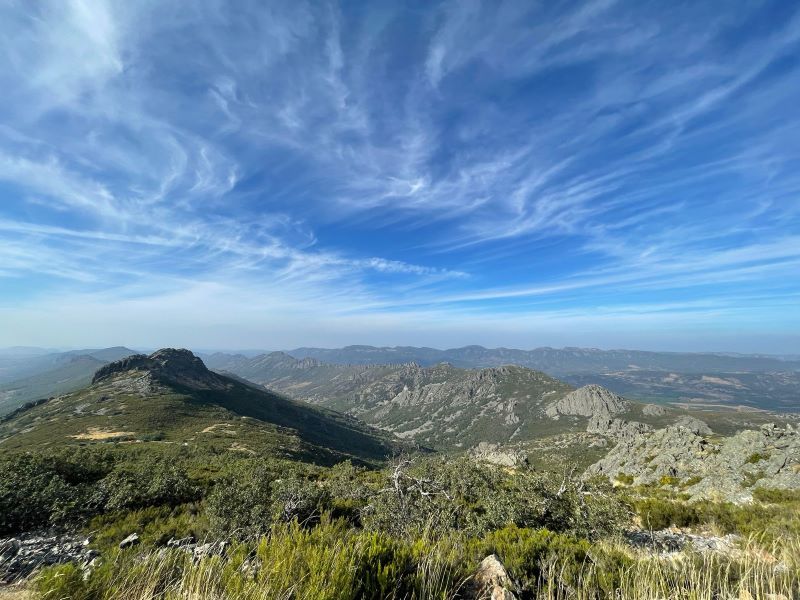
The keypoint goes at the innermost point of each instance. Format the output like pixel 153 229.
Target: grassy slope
pixel 238 419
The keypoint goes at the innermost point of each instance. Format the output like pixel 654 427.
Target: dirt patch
pixel 237 447
pixel 15 592
pixel 224 426
pixel 97 433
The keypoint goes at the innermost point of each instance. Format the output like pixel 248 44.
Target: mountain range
pixel 555 361
pixel 171 397
pixel 693 380
pixel 303 409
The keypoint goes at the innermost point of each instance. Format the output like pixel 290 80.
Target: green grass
pixel 336 562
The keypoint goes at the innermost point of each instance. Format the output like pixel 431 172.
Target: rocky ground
pixel 684 456
pixel 21 556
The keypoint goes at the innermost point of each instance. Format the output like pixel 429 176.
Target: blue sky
pixel 268 175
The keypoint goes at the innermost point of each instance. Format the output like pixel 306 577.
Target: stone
pixel 496 455
pixel 491 580
pixel 129 541
pixel 20 556
pixel 728 470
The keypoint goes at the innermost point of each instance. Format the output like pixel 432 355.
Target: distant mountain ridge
pixel 33 377
pixel 556 361
pixel 701 379
pixel 441 406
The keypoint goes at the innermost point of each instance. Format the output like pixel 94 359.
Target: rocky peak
pixel 588 401
pixel 170 365
pixel 282 360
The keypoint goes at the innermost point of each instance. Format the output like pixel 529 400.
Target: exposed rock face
pixel 588 401
pixel 680 457
pixel 667 541
pixel 653 410
pixel 21 556
pixel 438 406
pixel 496 455
pixel 616 428
pixel 694 425
pixel 168 364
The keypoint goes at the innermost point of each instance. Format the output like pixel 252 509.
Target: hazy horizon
pixel 601 174
pixel 265 350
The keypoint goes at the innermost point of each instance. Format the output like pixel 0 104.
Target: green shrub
pixel 240 503
pixel 756 457
pixel 776 496
pixel 39 490
pixel 149 482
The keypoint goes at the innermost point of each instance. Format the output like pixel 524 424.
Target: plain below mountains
pixel 171 397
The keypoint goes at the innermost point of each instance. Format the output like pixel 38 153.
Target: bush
pixel 436 496
pixel 296 499
pixel 39 490
pixel 240 505
pixel 150 482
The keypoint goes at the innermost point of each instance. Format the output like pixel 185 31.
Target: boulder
pixel 588 401
pixel 694 425
pixel 129 541
pixel 492 581
pixel 729 469
pixel 653 410
pixel 495 454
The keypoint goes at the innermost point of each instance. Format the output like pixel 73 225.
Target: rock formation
pixel 683 459
pixel 166 365
pixel 588 401
pixel 653 410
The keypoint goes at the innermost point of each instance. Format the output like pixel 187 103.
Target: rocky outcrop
pixel 693 424
pixel 588 401
pixel 616 428
pixel 21 556
pixel 683 459
pixel 668 541
pixel 168 365
pixel 495 454
pixel 653 410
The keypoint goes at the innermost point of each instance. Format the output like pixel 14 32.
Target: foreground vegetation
pixel 416 529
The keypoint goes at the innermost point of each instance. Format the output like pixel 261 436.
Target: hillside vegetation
pixel 187 484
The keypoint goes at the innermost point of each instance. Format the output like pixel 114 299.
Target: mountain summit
pixel 168 365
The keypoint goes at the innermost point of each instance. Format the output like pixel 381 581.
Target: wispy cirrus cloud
pixel 472 163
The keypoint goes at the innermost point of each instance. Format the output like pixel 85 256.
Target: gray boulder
pixel 588 401
pixel 495 454
pixel 491 581
pixel 129 541
pixel 653 410
pixel 694 425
